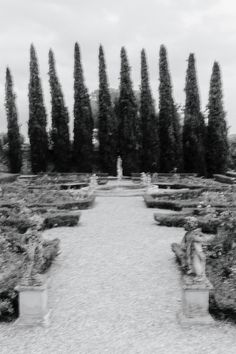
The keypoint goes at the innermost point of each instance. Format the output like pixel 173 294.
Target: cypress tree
pixel 106 122
pixel 83 119
pixel 169 126
pixel 194 125
pixel 129 121
pixel 217 143
pixel 60 120
pixel 37 118
pixel 150 141
pixel 13 132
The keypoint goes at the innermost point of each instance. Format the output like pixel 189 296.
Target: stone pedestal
pixel 195 302
pixel 33 306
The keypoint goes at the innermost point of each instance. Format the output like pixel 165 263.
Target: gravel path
pixel 115 289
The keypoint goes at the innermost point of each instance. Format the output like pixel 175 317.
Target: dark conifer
pixel 14 139
pixel 106 122
pixel 37 118
pixel 60 120
pixel 217 142
pixel 83 120
pixel 130 138
pixel 169 126
pixel 194 125
pixel 150 141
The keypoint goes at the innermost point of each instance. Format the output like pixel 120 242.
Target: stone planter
pixel 195 302
pixel 33 307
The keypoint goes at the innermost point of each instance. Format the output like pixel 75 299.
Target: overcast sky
pixel 204 27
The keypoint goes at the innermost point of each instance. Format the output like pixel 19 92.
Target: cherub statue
pixel 34 255
pixel 93 182
pixel 119 168
pixel 192 244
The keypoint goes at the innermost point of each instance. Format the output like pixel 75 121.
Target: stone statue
pixel 119 168
pixel 190 251
pixel 34 258
pixel 93 183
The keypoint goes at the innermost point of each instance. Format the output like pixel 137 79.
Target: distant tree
pixel 37 118
pixel 217 142
pixel 130 138
pixel 60 119
pixel 13 132
pixel 150 142
pixel 169 125
pixel 107 123
pixel 83 119
pixel 194 126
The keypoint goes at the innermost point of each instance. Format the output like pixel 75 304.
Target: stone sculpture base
pixel 33 307
pixel 195 302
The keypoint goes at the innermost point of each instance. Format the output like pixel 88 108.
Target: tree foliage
pixel 13 132
pixel 37 118
pixel 83 120
pixel 194 126
pixel 60 120
pixel 150 141
pixel 169 125
pixel 129 124
pixel 217 142
pixel 107 123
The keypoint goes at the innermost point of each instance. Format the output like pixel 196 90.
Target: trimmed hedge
pixel 224 179
pixel 175 220
pixel 178 194
pixel 81 204
pixel 58 220
pixel 161 204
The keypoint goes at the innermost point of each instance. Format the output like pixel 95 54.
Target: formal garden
pixel 83 252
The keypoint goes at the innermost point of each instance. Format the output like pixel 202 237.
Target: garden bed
pixel 161 204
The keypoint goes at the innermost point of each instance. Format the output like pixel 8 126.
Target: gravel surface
pixel 115 289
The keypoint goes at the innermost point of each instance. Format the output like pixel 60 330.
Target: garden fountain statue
pixel 119 169
pixel 93 183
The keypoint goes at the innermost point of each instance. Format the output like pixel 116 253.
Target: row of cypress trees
pixel 145 140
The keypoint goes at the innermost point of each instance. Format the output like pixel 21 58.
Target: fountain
pixel 120 187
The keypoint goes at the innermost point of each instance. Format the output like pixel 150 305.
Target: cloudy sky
pixel 204 27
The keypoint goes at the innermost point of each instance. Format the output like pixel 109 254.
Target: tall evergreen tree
pixel 130 138
pixel 217 143
pixel 13 132
pixel 107 125
pixel 169 126
pixel 37 118
pixel 150 141
pixel 83 119
pixel 60 120
pixel 194 125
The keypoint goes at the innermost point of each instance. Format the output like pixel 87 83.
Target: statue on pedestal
pixel 119 168
pixel 34 255
pixel 190 251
